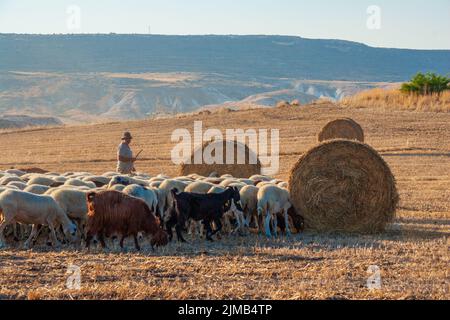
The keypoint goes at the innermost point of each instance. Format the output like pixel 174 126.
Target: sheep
pixel 258 178
pixel 9 178
pixel 18 184
pixel 283 185
pixel 80 183
pixel 41 180
pixel 28 208
pixel 216 181
pixel 155 184
pixel 74 204
pixel 126 181
pixel 110 174
pixel 247 182
pixel 148 195
pixel 165 200
pixel 36 189
pixel 112 212
pixel 99 181
pixel 199 187
pixel 249 201
pixel 271 201
pixel 15 172
pixel 117 187
pixel 216 189
pixel 225 183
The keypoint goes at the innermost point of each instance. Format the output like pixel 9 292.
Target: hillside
pixel 97 78
pixel 23 121
pixel 252 56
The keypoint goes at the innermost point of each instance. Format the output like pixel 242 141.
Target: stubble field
pixel 412 255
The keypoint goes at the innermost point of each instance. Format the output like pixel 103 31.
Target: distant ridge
pixel 23 121
pixel 252 56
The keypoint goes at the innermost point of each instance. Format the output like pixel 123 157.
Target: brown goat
pixel 112 212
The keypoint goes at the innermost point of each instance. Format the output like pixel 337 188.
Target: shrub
pixel 426 84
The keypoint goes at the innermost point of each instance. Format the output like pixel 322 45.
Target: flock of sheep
pixel 29 201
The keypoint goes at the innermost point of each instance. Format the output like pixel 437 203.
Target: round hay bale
pixel 236 170
pixel 344 128
pixel 343 186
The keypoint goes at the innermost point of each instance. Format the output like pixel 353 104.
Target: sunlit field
pixel 412 254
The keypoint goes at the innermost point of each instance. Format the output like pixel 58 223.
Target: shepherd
pixel 125 159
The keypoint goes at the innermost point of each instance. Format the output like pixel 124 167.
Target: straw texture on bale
pixel 343 186
pixel 344 128
pixel 236 170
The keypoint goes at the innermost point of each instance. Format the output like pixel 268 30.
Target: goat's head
pixel 235 197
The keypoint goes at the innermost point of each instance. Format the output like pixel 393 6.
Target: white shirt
pixel 124 151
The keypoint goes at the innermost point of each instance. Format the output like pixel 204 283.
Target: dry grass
pixel 394 99
pixel 412 253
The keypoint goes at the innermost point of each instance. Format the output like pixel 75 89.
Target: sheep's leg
pixel 136 242
pixel 55 242
pixel 286 222
pixel 121 241
pixel 101 238
pixel 179 233
pixel 16 232
pixel 89 237
pixel 218 225
pixel 256 218
pixel 267 224
pixel 33 234
pixel 237 216
pixel 275 225
pixel 6 221
pixel 208 230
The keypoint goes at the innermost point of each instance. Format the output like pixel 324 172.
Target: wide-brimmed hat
pixel 126 136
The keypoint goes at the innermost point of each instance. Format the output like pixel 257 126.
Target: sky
pixel 416 24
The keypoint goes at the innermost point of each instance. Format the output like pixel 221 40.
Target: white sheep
pixel 18 184
pixel 41 180
pixel 271 201
pixel 155 184
pixel 74 204
pixel 126 181
pixel 27 208
pixel 148 195
pixel 249 203
pixel 117 187
pixel 165 200
pixel 79 183
pixel 99 181
pixel 36 189
pixel 15 172
pixel 199 187
pixel 9 178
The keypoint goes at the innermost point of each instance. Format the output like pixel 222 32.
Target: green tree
pixel 425 84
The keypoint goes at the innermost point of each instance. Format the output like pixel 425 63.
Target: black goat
pixel 200 207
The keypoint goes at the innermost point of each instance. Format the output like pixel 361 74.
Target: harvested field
pixel 413 254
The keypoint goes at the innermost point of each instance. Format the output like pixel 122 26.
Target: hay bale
pixel 344 128
pixel 343 186
pixel 236 170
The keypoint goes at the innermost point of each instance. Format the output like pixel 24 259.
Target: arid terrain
pixel 412 255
